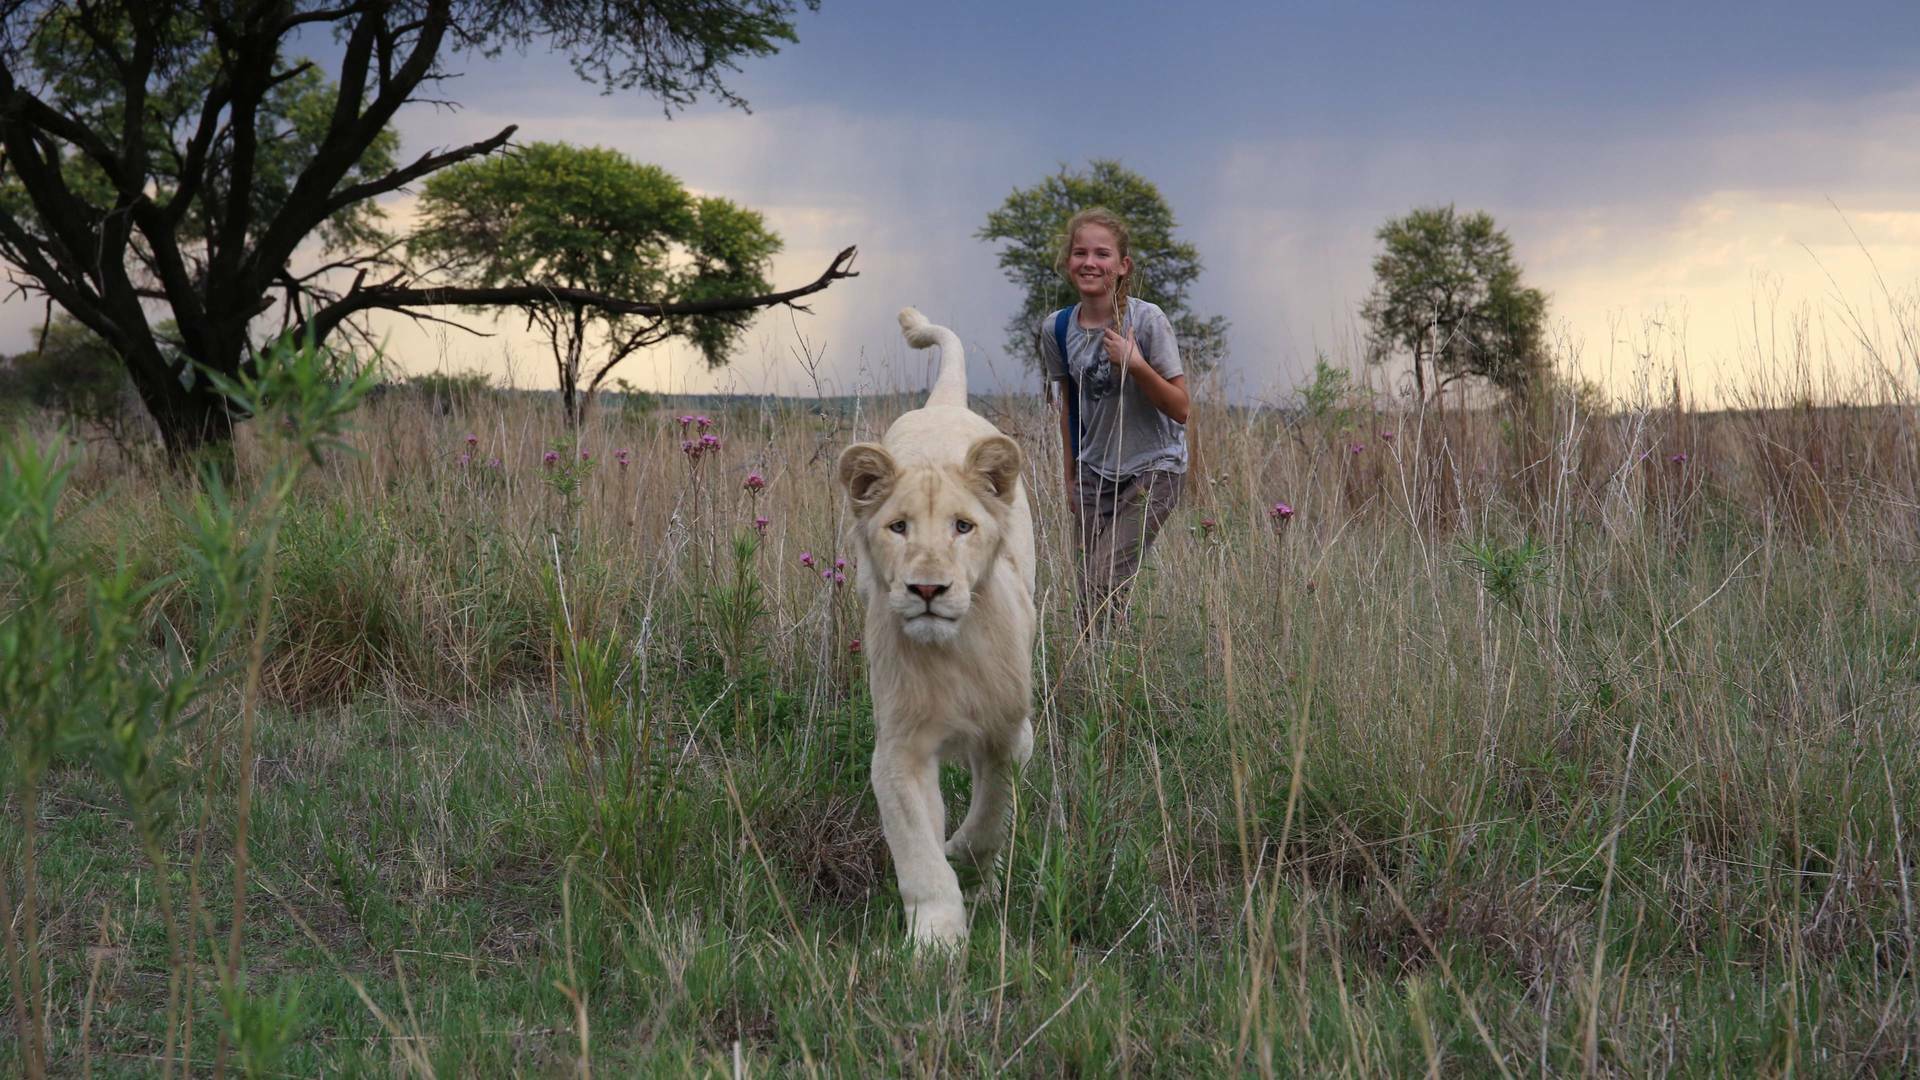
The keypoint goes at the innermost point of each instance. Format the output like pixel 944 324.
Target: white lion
pixel 946 564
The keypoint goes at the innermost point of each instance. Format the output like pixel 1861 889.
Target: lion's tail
pixel 951 387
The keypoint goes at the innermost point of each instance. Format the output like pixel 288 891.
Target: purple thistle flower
pixel 760 525
pixel 1356 448
pixel 684 421
pixel 465 460
pixel 550 458
pixel 620 457
pixel 493 463
pixel 1678 459
pixel 709 442
pixel 703 422
pixel 806 559
pixel 754 482
pixel 472 440
pixel 585 457
pixel 1386 436
pixel 839 564
pixel 853 646
pixel 839 578
pixel 688 448
pixel 1280 512
pixel 826 575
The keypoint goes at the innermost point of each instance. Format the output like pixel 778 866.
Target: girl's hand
pixel 1121 351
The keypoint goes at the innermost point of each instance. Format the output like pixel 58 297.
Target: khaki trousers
pixel 1118 520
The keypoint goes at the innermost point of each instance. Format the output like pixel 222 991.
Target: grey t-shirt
pixel 1121 433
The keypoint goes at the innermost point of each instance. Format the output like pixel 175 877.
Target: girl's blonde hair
pixel 1107 219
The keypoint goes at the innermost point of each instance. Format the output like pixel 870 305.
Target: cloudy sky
pixel 1692 183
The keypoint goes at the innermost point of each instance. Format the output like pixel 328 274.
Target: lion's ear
pixel 995 463
pixel 867 472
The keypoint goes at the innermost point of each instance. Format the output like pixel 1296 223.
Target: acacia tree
pixel 173 158
pixel 1447 292
pixel 1033 222
pixel 593 219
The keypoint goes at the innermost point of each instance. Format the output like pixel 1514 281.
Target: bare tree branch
pixel 326 15
pixel 395 298
pixel 428 163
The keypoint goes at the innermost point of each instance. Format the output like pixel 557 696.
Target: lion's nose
pixel 927 592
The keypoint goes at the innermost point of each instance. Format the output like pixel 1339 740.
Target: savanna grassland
pixel 1532 744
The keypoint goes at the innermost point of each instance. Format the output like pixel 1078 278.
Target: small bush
pixel 448 391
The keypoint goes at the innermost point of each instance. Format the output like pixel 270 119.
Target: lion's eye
pixel 962 526
pixel 899 527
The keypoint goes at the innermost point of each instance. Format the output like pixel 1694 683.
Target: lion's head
pixel 930 534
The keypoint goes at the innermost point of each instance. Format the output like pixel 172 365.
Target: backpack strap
pixel 1073 388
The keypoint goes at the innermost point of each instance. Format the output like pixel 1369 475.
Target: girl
pixel 1124 421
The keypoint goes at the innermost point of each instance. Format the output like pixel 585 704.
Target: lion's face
pixel 930 534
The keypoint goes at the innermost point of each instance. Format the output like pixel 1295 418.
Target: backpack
pixel 1073 388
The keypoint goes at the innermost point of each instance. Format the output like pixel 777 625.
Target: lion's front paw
pixel 942 926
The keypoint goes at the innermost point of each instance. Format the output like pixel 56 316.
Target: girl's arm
pixel 1167 395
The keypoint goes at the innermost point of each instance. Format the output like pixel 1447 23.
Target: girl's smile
pixel 1094 260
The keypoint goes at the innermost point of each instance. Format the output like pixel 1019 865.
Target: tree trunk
pixel 194 425
pixel 570 378
pixel 193 420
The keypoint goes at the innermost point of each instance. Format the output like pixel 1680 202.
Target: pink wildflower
pixel 472 440
pixel 550 458
pixel 684 421
pixel 853 646
pixel 754 482
pixel 621 456
pixel 826 575
pixel 806 559
pixel 465 460
pixel 839 564
pixel 760 525
pixel 585 457
pixel 1280 512
pixel 493 463
pixel 1386 436
pixel 839 578
pixel 1678 459
pixel 1356 448
pixel 709 442
pixel 703 422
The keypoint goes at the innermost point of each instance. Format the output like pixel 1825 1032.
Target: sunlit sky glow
pixel 1690 184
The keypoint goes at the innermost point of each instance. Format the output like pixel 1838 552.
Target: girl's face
pixel 1094 262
